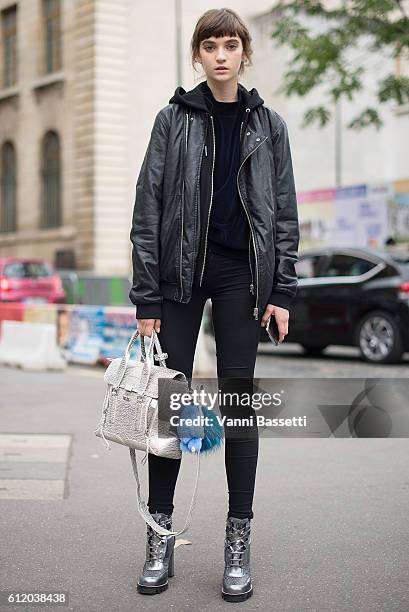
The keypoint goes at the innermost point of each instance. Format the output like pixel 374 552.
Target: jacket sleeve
pixel 286 222
pixel 146 219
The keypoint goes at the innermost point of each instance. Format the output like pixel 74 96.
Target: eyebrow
pixel 229 40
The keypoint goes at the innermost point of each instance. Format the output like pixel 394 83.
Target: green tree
pixel 320 54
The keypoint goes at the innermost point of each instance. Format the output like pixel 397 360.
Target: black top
pixel 228 226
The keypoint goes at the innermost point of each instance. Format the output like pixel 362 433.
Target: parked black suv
pixel 352 297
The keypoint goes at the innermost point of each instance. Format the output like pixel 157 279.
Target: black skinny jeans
pixel 226 282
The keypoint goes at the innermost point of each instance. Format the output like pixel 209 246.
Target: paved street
pixel 330 529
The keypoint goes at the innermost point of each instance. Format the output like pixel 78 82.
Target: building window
pixel 8 188
pixel 9 51
pixel 50 181
pixel 52 35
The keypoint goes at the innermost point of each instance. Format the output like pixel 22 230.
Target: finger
pixel 267 314
pixel 283 331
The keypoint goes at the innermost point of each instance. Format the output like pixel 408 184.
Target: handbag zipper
pixel 105 407
pixel 114 392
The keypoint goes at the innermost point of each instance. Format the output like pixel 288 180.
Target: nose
pixel 220 55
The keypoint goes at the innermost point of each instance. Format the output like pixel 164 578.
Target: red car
pixel 29 280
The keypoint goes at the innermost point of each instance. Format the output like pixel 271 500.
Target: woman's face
pixel 226 51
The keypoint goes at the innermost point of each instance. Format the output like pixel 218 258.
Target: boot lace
pixel 238 540
pixel 156 544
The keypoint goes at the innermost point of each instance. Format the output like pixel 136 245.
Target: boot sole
pixel 154 590
pixel 146 590
pixel 237 598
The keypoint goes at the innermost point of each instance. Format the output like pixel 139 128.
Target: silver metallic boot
pixel 159 564
pixel 236 578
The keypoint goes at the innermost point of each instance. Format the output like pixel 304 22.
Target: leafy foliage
pixel 322 39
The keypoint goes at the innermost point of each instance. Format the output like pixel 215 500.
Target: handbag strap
pixel 143 507
pixel 147 358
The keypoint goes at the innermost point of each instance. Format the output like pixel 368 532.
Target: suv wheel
pixel 379 338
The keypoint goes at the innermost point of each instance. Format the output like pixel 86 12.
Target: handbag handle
pixel 148 359
pixel 154 341
pixel 161 356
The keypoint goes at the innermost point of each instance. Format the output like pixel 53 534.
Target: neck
pixel 224 92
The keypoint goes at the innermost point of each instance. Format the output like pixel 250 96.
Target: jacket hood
pixel 201 96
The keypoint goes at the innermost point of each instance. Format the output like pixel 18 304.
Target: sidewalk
pixel 330 529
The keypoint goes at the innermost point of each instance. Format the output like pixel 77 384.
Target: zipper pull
pixel 255 313
pixel 205 148
pixel 252 289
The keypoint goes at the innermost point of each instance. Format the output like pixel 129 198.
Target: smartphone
pixel 272 330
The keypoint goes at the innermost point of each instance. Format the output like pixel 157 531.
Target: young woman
pixel 215 217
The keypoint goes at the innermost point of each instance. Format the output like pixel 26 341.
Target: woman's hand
pixel 145 326
pixel 281 316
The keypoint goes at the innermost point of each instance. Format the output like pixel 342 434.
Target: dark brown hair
pixel 220 22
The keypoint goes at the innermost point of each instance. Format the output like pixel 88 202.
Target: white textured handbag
pixel 130 414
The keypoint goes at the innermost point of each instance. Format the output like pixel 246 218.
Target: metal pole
pixel 338 143
pixel 178 20
pixel 338 130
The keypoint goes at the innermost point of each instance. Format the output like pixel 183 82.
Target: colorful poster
pixel 361 216
pixel 316 213
pixel 399 211
pixel 357 215
pixel 119 325
pixel 85 338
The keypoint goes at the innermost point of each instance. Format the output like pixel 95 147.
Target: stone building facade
pixel 63 117
pixel 81 82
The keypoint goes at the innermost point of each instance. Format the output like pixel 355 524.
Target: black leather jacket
pixel 174 196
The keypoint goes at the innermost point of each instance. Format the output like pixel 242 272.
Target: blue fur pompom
pixel 190 445
pixel 205 438
pixel 213 432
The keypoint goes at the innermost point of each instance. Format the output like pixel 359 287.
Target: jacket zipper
pixel 255 311
pixel 183 208
pixel 211 201
pixel 251 271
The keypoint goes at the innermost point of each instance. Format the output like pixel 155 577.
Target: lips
pixel 221 69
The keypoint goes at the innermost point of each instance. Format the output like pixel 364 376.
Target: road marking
pixel 17 440
pixel 34 466
pixel 32 489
